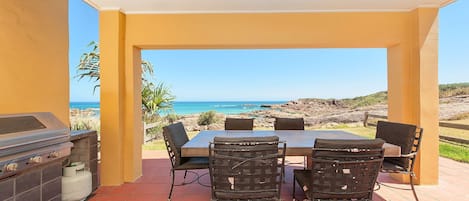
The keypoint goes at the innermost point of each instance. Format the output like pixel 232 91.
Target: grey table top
pixel 299 142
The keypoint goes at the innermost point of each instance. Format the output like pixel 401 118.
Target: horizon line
pixel 201 101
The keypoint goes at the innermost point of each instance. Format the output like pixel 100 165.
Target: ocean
pixel 186 107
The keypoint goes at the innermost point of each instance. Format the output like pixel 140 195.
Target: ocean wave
pixel 226 106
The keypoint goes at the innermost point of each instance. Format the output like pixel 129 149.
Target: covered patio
pixel 408 29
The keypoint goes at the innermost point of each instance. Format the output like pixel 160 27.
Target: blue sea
pixel 186 107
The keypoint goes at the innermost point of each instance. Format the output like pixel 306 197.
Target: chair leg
pixel 185 174
pixel 377 186
pixel 172 185
pixel 305 163
pixel 283 175
pixel 294 186
pixel 411 176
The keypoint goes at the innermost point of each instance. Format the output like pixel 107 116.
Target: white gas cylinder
pixel 76 182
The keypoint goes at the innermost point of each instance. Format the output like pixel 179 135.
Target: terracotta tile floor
pixel 155 183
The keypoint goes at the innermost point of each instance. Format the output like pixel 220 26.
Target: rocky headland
pixel 326 112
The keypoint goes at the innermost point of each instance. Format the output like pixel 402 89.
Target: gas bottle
pixel 76 182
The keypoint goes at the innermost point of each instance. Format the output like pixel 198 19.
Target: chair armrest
pixel 409 155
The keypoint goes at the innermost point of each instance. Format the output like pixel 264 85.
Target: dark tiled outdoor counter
pixel 85 149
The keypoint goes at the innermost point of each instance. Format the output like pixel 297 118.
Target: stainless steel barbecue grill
pixel 32 147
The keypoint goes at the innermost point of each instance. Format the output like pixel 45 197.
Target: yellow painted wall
pixel 34 57
pixel 413 87
pixel 411 39
pixel 112 57
pixel 279 30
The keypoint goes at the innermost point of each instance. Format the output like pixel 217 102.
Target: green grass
pixel 154 145
pixel 454 151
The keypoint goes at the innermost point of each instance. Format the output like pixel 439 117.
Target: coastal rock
pixel 321 113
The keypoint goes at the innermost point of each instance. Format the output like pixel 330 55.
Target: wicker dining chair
pixel 174 137
pixel 341 170
pixel 408 137
pixel 248 168
pixel 289 124
pixel 239 124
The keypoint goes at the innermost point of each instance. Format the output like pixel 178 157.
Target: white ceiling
pixel 262 6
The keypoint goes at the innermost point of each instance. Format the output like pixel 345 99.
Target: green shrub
pixel 456 89
pixel 372 99
pixel 156 132
pixel 84 123
pixel 207 118
pixel 171 118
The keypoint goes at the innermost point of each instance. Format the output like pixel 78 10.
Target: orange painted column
pixel 413 87
pixel 133 135
pixel 428 108
pixel 111 34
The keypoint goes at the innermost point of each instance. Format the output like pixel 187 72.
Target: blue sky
pixel 280 74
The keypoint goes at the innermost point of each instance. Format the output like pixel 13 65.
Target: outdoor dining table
pixel 299 142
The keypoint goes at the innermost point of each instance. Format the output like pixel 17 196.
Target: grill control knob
pixel 54 154
pixel 11 167
pixel 35 160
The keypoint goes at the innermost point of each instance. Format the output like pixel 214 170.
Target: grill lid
pixel 19 124
pixel 23 132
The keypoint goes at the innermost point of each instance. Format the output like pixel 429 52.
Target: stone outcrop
pixel 323 113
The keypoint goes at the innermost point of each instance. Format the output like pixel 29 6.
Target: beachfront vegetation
pixel 84 123
pixel 372 99
pixel 89 66
pixel 207 118
pixel 172 117
pixel 155 97
pixel 456 89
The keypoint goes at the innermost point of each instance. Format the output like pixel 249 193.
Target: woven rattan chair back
pixel 343 169
pixel 404 135
pixel 289 124
pixel 239 124
pixel 174 137
pixel 408 137
pixel 247 168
